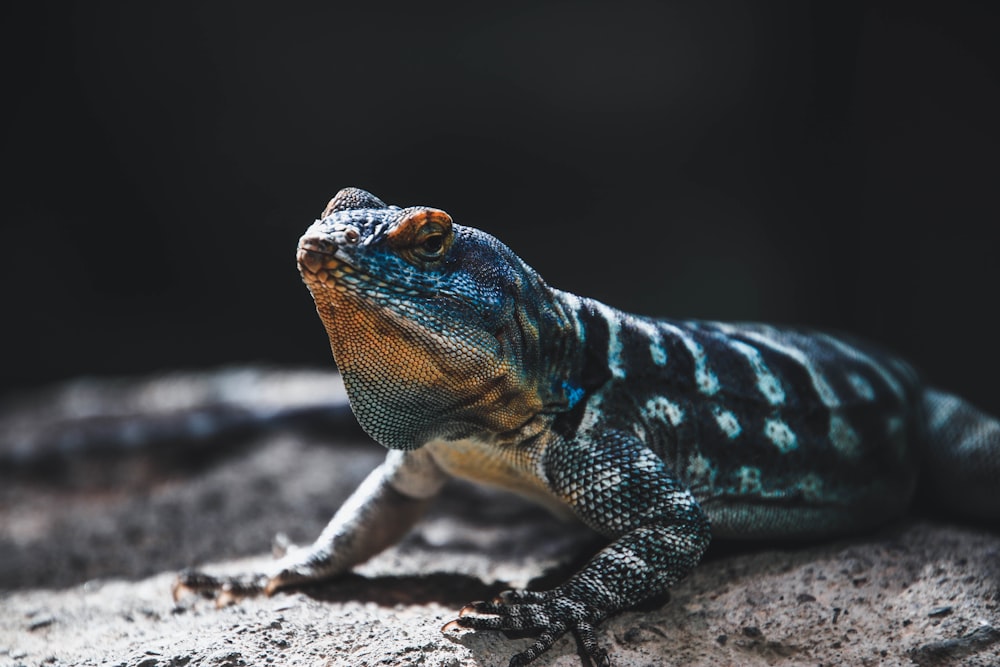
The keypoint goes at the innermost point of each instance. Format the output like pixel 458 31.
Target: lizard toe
pixel 281 545
pixel 545 641
pixel 523 596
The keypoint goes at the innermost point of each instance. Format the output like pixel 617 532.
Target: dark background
pixel 829 164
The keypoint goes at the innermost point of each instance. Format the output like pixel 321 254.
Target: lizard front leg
pixel 375 516
pixel 622 489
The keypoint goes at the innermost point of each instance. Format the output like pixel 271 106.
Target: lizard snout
pixel 314 252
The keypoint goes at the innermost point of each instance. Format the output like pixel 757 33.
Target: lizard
pixel 659 434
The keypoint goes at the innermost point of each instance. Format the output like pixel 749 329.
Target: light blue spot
pixel 727 421
pixel 779 433
pixel 573 394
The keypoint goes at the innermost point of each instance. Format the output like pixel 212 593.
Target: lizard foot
pixel 552 613
pixel 226 590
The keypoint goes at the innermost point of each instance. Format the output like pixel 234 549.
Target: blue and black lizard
pixel 659 434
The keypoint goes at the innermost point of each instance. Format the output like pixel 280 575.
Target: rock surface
pixel 87 562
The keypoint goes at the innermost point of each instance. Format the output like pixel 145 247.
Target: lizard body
pixel 461 360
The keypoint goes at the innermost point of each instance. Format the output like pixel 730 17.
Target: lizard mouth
pixel 314 252
pixel 318 261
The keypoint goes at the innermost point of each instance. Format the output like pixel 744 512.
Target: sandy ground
pixel 87 562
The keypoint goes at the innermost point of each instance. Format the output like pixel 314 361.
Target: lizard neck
pixel 573 360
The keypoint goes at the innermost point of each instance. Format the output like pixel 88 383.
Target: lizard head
pixel 434 325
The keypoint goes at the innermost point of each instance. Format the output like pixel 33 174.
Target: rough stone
pixel 86 570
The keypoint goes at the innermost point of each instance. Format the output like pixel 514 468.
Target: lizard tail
pixel 962 457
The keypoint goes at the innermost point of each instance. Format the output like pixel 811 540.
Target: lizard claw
pixel 470 608
pixel 551 613
pixel 451 625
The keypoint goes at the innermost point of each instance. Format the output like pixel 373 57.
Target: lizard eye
pixel 432 245
pixel 423 236
pixel 351 235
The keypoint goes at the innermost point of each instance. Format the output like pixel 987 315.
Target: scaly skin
pixel 461 360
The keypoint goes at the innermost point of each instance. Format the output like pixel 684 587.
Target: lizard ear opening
pixel 422 236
